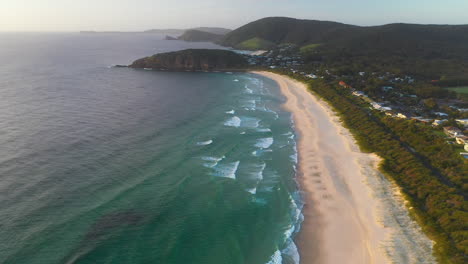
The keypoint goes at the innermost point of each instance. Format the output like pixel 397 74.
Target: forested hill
pixel 193 60
pixel 278 30
pixel 440 41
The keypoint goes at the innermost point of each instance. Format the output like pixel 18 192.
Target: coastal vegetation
pixel 309 48
pixel 460 90
pixel 193 60
pixel 431 176
pixel 256 44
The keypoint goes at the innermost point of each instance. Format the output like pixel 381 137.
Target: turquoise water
pixel 112 165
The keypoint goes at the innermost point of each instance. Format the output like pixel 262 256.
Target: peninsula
pixel 193 60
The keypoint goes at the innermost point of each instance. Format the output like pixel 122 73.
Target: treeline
pixel 447 71
pixel 431 176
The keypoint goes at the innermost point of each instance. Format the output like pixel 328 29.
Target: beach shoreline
pixel 341 216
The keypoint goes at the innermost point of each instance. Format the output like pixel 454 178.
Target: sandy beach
pixel 341 216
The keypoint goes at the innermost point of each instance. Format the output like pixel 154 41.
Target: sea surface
pixel 113 165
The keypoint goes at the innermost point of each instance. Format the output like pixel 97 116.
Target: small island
pixel 193 60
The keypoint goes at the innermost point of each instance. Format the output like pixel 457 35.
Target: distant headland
pixel 193 60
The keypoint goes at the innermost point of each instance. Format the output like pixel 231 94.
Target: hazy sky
pixel 135 15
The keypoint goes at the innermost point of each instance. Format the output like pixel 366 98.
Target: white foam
pixel 264 130
pixel 276 258
pixel 204 143
pixel 259 152
pixel 264 143
pixel 148 69
pixel 233 122
pixel 231 112
pixel 294 158
pixel 250 122
pixel 236 80
pixel 292 251
pixel 250 105
pixel 242 133
pixel 258 174
pixel 248 90
pixel 227 170
pixel 252 190
pixel 211 161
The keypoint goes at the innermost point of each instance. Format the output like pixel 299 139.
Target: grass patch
pixel 309 48
pixel 459 90
pixel 256 44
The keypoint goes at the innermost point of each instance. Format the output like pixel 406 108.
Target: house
pixel 376 105
pixel 362 73
pixel 463 122
pixel 452 131
pixel 439 122
pixel 462 140
pixel 422 119
pixel 312 76
pixel 441 114
pixel 359 93
pixel 385 108
pixel 400 115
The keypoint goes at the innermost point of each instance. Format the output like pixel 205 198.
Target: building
pixel 439 122
pixel 359 93
pixel 400 115
pixel 376 106
pixel 441 114
pixel 452 131
pixel 463 122
pixel 422 119
pixel 343 84
pixel 462 140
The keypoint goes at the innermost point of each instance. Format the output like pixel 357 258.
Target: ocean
pixel 114 165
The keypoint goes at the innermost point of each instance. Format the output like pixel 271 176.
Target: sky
pixel 138 15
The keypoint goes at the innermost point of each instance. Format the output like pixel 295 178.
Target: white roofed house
pixel 461 139
pixel 463 122
pixel 401 115
pixel 439 122
pixel 441 114
pixel 376 105
pixel 380 107
pixel 452 131
pixel 359 93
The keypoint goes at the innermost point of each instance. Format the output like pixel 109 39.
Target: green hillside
pixel 284 30
pixel 200 36
pixel 256 44
pixel 408 40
